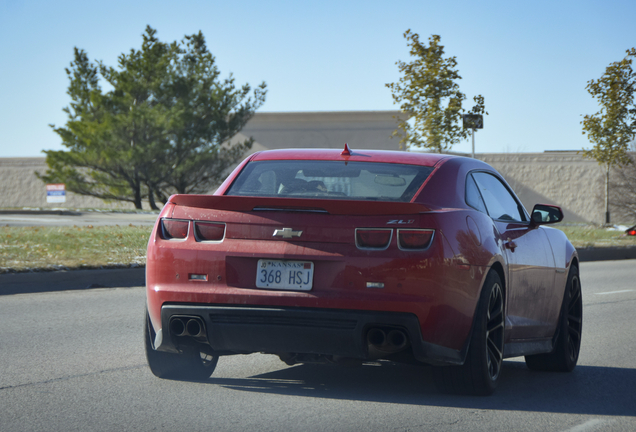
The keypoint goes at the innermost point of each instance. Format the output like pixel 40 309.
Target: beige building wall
pixel 369 130
pixel 562 178
pixel 19 187
pixel 565 179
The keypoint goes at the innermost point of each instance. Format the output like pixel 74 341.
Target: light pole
pixel 473 121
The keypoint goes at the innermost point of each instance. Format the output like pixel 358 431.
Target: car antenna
pixel 346 151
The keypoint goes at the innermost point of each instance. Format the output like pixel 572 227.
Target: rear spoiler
pixel 331 206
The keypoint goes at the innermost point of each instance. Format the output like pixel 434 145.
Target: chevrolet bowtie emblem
pixel 286 233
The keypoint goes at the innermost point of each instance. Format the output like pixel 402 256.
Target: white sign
pixel 55 193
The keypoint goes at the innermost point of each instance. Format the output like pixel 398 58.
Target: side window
pixel 499 201
pixel 473 198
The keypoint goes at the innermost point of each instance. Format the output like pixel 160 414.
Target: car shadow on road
pixel 587 390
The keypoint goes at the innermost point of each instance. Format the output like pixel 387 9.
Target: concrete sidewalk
pixel 52 218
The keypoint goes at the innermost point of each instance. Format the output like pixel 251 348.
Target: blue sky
pixel 530 60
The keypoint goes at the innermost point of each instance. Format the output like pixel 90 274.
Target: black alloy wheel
pixel 575 320
pixel 495 332
pixel 567 339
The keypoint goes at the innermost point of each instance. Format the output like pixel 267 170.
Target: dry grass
pixel 583 236
pixel 53 248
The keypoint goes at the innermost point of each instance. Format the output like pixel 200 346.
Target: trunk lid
pixel 295 220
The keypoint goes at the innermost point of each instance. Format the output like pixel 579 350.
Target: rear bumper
pixel 281 330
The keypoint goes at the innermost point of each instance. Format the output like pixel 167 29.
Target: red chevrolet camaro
pixel 320 255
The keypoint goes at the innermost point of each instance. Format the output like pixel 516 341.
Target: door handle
pixel 509 244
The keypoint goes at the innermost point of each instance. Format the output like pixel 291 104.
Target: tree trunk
pixel 138 199
pixel 151 198
pixel 137 191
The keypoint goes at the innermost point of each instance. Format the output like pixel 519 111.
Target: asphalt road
pixel 73 360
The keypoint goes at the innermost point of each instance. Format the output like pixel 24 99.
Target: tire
pixel 567 346
pixel 480 373
pixel 189 365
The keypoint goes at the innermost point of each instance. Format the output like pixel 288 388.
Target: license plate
pixel 288 275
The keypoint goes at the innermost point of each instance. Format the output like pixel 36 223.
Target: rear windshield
pixel 330 179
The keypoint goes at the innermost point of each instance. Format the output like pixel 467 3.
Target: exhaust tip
pixel 397 339
pixel 376 337
pixel 194 328
pixel 177 327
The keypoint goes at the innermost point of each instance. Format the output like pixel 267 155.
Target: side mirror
pixel 543 214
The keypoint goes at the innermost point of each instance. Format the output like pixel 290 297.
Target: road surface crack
pixel 69 377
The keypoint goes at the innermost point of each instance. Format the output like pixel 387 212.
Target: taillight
pixel 209 231
pixel 373 238
pixel 414 239
pixel 174 229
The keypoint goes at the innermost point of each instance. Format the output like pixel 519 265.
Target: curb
pixel 607 253
pixel 38 282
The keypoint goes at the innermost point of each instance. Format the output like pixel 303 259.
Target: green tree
pixel 429 95
pixel 623 187
pixel 207 112
pixel 613 127
pixel 162 128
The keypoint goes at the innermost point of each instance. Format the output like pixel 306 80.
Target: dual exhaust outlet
pixel 187 326
pixel 382 342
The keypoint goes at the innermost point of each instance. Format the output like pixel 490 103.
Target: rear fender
pixel 468 255
pixel 154 309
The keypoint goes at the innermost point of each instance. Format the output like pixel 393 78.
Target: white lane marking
pixel 587 426
pixel 614 292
